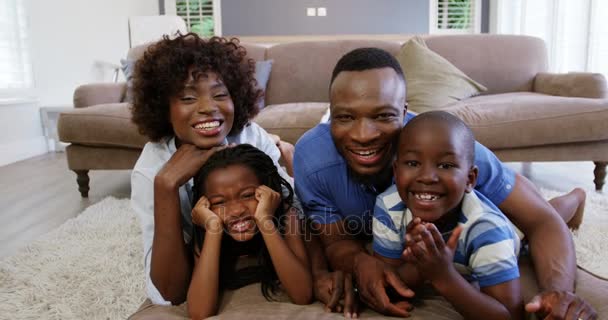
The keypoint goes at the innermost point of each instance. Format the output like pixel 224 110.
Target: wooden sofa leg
pixel 83 182
pixel 600 174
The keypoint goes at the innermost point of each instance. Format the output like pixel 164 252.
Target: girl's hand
pixel 268 202
pixel 204 217
pixel 431 255
pixel 184 164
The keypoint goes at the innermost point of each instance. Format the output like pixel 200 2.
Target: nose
pixel 427 174
pixel 206 106
pixel 364 131
pixel 235 208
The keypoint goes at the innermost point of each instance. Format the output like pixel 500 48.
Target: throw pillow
pixel 262 74
pixel 128 67
pixel 432 81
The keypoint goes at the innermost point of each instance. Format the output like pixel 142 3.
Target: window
pixel 15 65
pixel 200 16
pixel 455 16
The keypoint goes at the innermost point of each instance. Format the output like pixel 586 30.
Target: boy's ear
pixel 472 178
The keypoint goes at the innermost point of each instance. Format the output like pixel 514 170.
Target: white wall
pixel 68 39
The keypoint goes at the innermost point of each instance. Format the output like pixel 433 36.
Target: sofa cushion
pixel 262 73
pixel 291 120
pixel 100 125
pixel 525 119
pixel 432 81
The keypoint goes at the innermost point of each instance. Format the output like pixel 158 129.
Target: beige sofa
pixel 526 114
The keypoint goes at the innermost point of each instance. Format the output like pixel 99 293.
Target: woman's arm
pixel 288 254
pixel 204 287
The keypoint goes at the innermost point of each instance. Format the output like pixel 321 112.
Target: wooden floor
pixel 39 194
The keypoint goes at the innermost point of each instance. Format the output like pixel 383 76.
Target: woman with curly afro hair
pixel 191 98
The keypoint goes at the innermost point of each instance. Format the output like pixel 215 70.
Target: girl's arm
pixel 288 254
pixel 204 287
pixel 434 262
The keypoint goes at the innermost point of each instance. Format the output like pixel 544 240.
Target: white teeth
pixel 241 226
pixel 426 196
pixel 366 153
pixel 207 125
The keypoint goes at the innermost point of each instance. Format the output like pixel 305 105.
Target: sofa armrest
pixel 99 93
pixel 572 84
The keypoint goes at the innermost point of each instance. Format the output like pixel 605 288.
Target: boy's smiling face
pixel 202 114
pixel 432 172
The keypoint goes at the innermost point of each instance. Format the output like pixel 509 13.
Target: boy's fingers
pixel 453 241
pixel 439 243
pixel 429 242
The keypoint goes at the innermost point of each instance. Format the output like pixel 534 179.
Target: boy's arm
pixel 502 301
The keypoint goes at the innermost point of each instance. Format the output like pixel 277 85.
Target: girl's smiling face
pixel 202 114
pixel 231 194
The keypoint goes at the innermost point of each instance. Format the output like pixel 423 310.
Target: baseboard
pixel 22 149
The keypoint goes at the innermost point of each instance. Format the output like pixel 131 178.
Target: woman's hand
pixel 185 163
pixel 204 217
pixel 268 202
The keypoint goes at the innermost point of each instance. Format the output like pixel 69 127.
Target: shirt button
pixel 508 187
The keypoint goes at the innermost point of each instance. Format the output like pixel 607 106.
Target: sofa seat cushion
pixel 100 125
pixel 526 119
pixel 291 120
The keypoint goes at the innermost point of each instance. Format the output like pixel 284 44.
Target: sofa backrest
pixel 503 63
pixel 302 70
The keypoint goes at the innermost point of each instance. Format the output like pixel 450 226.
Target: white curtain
pixel 15 64
pixel 576 31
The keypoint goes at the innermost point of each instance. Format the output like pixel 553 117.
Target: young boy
pixel 447 232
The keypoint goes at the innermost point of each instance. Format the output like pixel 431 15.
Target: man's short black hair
pixel 365 59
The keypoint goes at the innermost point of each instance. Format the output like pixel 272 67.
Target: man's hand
pixel 373 277
pixel 331 287
pixel 557 305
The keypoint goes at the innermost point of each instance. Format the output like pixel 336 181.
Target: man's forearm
pixel 170 267
pixel 342 253
pixel 554 257
pixel 314 249
pixel 550 241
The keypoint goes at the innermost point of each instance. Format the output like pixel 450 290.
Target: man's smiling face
pixel 367 110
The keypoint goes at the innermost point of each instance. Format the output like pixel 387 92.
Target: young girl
pixel 191 97
pixel 240 213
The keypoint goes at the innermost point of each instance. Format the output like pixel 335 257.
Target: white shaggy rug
pixel 91 267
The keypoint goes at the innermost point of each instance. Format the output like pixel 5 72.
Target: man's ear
pixel 471 178
pixel 405 109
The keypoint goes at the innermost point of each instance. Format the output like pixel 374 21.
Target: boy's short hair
pixel 362 59
pixel 457 127
pixel 163 70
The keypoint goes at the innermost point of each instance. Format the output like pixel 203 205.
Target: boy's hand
pixel 412 231
pixel 204 217
pixel 268 202
pixel 185 163
pixel 434 261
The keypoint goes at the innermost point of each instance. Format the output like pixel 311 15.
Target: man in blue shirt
pixel 340 167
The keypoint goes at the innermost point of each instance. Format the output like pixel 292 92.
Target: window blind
pixel 15 65
pixel 198 14
pixel 455 16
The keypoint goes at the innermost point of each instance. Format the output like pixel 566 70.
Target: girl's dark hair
pixel 267 174
pixel 164 68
